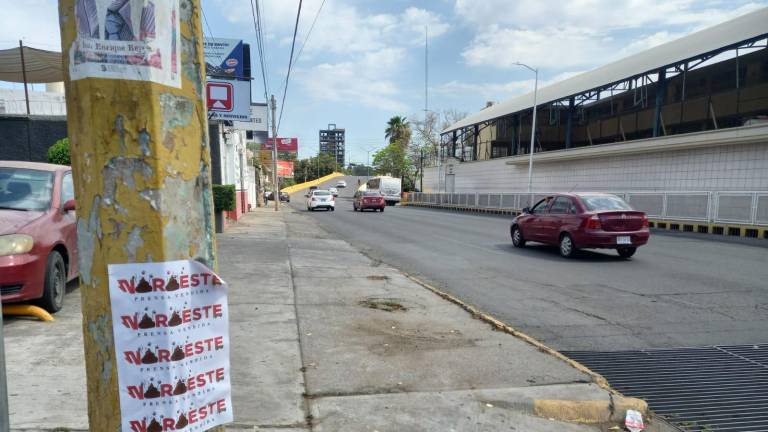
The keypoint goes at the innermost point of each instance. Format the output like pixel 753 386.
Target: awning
pixel 41 66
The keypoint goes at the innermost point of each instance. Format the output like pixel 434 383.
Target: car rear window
pixel 372 194
pixel 321 193
pixel 604 202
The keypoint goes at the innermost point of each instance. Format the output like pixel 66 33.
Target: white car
pixel 341 184
pixel 321 199
pixel 333 191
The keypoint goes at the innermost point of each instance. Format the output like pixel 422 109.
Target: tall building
pixel 332 142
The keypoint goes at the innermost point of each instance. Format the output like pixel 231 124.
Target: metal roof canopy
pixel 711 40
pixel 39 66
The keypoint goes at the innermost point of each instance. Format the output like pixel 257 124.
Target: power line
pixel 205 19
pixel 255 13
pixel 290 64
pixel 309 33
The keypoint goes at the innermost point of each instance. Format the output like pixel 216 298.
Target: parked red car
pixel 368 200
pixel 582 221
pixel 38 235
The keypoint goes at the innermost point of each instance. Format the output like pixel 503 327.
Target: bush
pixel 58 153
pixel 223 197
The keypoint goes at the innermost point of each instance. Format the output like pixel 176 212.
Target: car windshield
pixel 25 189
pixel 604 202
pixel 321 193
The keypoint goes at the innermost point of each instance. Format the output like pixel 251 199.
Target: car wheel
pixel 333 208
pixel 517 237
pixel 567 249
pixel 55 283
pixel 382 209
pixel 627 252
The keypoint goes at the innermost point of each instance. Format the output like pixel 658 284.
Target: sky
pixel 364 60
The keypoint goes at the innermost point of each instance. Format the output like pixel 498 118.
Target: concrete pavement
pixel 326 339
pixel 676 291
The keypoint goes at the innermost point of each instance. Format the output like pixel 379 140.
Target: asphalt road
pixel 676 291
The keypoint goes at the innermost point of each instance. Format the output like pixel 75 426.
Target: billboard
pixel 228 99
pixel 283 144
pixel 285 168
pixel 224 58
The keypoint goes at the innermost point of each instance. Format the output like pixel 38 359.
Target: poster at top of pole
pixel 129 40
pixel 283 144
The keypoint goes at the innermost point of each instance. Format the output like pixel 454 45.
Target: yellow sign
pixel 265 156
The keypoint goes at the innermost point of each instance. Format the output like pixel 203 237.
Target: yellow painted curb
pixel 315 182
pixel 27 310
pixel 589 411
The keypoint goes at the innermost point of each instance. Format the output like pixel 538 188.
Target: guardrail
pixel 740 207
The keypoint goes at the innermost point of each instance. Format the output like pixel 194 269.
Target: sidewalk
pixel 324 339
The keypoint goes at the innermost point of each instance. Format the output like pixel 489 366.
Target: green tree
pixel 398 130
pixel 391 160
pixel 311 168
pixel 58 153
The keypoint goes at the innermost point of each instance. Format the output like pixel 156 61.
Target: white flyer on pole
pixel 171 329
pixel 127 39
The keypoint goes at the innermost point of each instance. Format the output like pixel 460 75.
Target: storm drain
pixel 705 389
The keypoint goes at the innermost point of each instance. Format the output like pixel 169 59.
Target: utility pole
pixel 275 186
pixel 141 164
pixel 4 414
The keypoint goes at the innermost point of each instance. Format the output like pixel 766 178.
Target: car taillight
pixel 645 221
pixel 594 223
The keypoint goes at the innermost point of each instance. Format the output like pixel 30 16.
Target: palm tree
pixel 398 130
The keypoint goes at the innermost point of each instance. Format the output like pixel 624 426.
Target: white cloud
pixel 34 21
pixel 546 48
pixel 366 80
pixel 582 33
pixel 497 91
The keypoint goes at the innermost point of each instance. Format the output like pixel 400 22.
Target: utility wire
pixel 290 64
pixel 309 33
pixel 210 33
pixel 255 12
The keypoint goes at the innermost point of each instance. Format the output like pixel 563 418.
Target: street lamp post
pixel 533 124
pixel 368 161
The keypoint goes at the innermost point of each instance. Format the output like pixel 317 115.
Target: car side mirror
pixel 526 210
pixel 69 206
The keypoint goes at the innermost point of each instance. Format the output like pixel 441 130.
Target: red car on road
pixel 575 221
pixel 368 200
pixel 38 235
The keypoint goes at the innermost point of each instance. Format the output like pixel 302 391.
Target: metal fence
pixel 750 208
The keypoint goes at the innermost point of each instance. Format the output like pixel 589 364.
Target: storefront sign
pixel 229 99
pixel 171 330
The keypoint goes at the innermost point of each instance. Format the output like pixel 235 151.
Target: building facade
pixel 332 141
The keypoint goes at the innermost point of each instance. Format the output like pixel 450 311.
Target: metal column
pixel 661 93
pixel 569 123
pixel 476 132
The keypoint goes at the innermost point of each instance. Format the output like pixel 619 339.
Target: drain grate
pixel 705 389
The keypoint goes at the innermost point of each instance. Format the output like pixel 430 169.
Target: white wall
pixel 723 168
pixel 40 103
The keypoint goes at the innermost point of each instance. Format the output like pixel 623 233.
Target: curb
pixel 576 411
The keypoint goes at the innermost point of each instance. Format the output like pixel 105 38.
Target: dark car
pixel 364 200
pixel 38 235
pixel 575 221
pixel 283 196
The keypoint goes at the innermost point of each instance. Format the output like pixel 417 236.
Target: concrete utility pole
pixel 275 187
pixel 141 163
pixel 533 124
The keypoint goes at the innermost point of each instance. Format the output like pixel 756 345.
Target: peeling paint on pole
pixel 140 158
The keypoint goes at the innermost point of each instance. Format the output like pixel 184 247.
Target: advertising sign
pixel 171 330
pixel 228 99
pixel 258 120
pixel 129 40
pixel 285 168
pixel 283 144
pixel 223 57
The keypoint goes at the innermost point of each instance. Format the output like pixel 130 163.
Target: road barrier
pixel 733 213
pixel 316 182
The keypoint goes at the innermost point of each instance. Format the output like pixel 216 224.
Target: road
pixel 676 291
